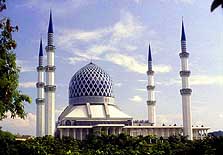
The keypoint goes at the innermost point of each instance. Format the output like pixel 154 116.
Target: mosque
pixel 92 107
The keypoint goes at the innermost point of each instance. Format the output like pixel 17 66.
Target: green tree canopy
pixel 11 98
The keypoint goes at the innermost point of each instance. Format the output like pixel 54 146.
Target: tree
pixel 215 4
pixel 11 99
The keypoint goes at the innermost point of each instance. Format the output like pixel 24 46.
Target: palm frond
pixel 215 4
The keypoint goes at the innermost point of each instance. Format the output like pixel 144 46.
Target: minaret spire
pixel 150 56
pixel 50 87
pixel 149 59
pixel 183 36
pixel 50 28
pixel 41 48
pixel 185 91
pixel 151 103
pixel 40 101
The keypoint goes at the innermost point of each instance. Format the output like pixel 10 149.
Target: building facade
pixel 92 108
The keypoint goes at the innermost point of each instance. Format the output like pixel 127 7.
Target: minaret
pixel 50 87
pixel 40 96
pixel 151 103
pixel 185 91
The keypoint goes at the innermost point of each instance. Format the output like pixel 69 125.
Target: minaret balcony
pixel 50 68
pixel 150 72
pixel 40 101
pixel 185 73
pixel 184 55
pixel 40 68
pixel 186 91
pixel 151 102
pixel 51 88
pixel 50 48
pixel 40 84
pixel 150 87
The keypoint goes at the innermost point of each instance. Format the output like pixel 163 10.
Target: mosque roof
pixel 94 112
pixel 90 81
pixel 91 98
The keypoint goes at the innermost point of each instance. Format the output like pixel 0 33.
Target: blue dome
pixel 90 80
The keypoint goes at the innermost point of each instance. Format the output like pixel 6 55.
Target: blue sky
pixel 115 35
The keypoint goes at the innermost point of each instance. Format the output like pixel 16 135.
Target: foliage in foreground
pixel 110 145
pixel 11 98
pixel 215 4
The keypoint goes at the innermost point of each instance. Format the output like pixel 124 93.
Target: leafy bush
pixel 110 145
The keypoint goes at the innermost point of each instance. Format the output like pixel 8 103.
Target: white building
pixel 92 107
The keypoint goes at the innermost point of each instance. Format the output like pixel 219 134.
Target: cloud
pixel 206 80
pixel 24 67
pixel 85 36
pixel 141 89
pixel 27 84
pixel 162 68
pixel 116 44
pixel 84 55
pixel 17 125
pixel 69 37
pixel 127 27
pixel 179 1
pixel 176 1
pixel 61 8
pixel 136 99
pixel 142 80
pixel 100 49
pixel 145 90
pixel 126 61
pixel 170 82
pixel 121 37
pixel 130 47
pixel 220 115
pixel 74 60
pixel 137 1
pixel 119 84
pixel 131 64
pixel 169 119
pixel 23 126
pixel 198 80
pixel 185 1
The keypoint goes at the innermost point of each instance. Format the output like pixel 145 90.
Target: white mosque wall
pixel 80 132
